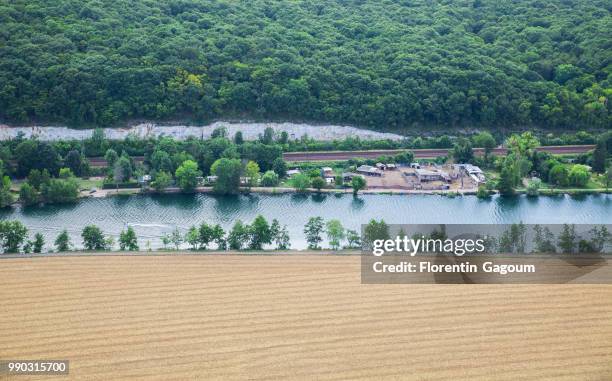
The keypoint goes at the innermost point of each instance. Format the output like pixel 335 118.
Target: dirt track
pixel 292 317
pixel 428 153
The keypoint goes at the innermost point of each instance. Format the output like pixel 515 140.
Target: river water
pixel 153 216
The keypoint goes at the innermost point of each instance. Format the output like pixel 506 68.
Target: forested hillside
pixel 379 63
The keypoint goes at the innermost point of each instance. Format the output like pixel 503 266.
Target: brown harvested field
pixel 292 317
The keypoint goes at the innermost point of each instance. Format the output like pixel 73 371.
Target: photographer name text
pixel 465 267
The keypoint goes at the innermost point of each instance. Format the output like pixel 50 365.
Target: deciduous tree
pixel 280 167
pixel 300 182
pixel 251 172
pixel 260 233
pixel 228 176
pixel 335 233
pixel 375 230
pixel 269 179
pixel 462 151
pixel 579 175
pixel 28 195
pixel 162 181
pixel 93 238
pixel 12 236
pixel 600 154
pixel 313 229
pixel 62 242
pixel 358 183
pixel 238 237
pixel 318 183
pixel 187 176
pixel 484 140
pixel 128 240
pixel 38 243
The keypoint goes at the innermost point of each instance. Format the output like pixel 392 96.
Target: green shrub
pixel 269 179
pixel 482 192
pixel 533 187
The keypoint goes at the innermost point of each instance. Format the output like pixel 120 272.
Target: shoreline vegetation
pixel 260 236
pixel 237 253
pixel 101 193
pixel 264 190
pixel 172 252
pixel 64 171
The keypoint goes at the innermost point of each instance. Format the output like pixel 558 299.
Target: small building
pixel 329 180
pixel 427 175
pixel 472 171
pixel 327 172
pixel 245 180
pixel 386 166
pixel 145 179
pixel 293 172
pixel 347 177
pixel 211 179
pixel 368 170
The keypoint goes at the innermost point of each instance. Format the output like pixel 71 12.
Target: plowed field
pixel 292 317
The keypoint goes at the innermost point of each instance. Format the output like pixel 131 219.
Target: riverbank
pixel 172 253
pixel 278 190
pixel 283 190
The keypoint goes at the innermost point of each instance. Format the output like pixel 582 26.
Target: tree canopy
pixel 377 63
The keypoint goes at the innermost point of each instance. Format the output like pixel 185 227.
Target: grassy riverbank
pixel 283 190
pixel 172 252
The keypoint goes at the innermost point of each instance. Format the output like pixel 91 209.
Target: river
pixel 153 216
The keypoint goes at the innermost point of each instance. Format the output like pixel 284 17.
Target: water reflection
pixel 171 200
pixel 299 198
pixel 508 202
pixel 38 211
pixel 579 197
pixel 531 201
pixel 357 203
pixel 120 201
pixel 319 197
pixel 227 206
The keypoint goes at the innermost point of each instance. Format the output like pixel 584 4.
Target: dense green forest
pixel 386 64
